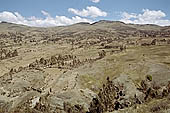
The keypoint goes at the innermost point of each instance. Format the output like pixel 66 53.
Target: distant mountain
pixel 101 28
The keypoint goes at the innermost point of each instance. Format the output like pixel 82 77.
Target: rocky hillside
pixel 104 67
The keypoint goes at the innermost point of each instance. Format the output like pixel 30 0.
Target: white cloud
pixel 147 17
pixel 91 11
pixel 45 13
pixel 95 1
pixel 127 16
pixel 40 22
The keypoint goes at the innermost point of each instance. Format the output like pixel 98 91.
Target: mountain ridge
pixel 87 23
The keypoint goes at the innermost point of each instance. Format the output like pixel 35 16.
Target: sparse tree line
pixel 115 49
pixel 102 36
pixel 64 61
pixel 12 35
pixel 152 34
pixel 104 41
pixel 5 54
pixel 61 61
pixel 149 41
pixel 58 61
pixel 156 42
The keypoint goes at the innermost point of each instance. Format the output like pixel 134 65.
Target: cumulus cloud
pixel 45 13
pixel 146 17
pixel 95 1
pixel 91 11
pixel 40 22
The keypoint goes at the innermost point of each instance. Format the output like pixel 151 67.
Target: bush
pixel 149 77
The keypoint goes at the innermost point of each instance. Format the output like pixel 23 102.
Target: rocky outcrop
pixel 122 92
pixel 68 108
pixel 115 95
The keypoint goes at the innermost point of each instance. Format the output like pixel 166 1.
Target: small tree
pixel 15 53
pixel 149 77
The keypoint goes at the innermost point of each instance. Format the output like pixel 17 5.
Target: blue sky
pixel 44 12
